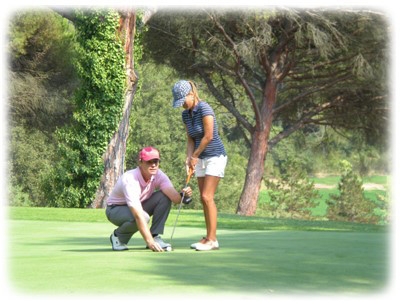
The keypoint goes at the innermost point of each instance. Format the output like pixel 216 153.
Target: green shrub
pixel 17 197
pixel 350 204
pixel 292 195
pixel 30 158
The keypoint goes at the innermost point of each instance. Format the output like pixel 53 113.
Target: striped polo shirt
pixel 195 128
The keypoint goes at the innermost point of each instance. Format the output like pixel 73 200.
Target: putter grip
pixel 191 171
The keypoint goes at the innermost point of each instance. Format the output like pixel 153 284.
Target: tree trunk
pixel 259 148
pixel 114 156
pixel 254 173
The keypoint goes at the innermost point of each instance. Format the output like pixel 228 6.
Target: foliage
pixel 350 204
pixel 325 55
pixel 287 68
pixel 98 110
pixel 322 148
pixel 30 159
pixel 293 194
pixel 42 78
pixel 16 196
pixel 41 49
pixel 383 207
pixel 42 46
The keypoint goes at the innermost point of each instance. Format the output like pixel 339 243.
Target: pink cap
pixel 149 153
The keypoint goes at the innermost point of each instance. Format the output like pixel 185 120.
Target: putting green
pixel 76 257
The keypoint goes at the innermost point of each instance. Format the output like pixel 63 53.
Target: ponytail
pixel 194 90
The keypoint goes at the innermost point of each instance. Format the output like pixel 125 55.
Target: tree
pixel 42 79
pixel 293 194
pixel 350 205
pixel 286 67
pixel 93 147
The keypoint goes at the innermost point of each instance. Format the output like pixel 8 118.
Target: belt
pixel 115 205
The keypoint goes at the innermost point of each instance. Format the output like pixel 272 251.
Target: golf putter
pixel 180 204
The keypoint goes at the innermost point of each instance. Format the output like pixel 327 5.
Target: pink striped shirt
pixel 131 189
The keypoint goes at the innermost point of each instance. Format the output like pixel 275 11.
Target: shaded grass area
pixel 75 257
pixel 194 218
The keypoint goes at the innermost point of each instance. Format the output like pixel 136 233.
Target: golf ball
pixel 168 249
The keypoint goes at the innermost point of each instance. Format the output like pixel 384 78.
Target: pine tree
pixel 350 205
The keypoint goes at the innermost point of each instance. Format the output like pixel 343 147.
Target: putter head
pixel 187 200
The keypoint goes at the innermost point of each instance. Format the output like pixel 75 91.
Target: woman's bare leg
pixel 208 185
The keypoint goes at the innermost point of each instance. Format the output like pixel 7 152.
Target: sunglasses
pixel 153 162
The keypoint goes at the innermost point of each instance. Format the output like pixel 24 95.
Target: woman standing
pixel 205 154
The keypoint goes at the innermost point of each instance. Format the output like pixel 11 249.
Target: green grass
pixel 66 251
pixel 334 180
pixel 193 218
pixel 383 180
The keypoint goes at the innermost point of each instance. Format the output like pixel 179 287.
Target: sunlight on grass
pixel 75 257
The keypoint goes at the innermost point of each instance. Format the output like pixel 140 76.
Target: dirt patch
pixel 321 186
pixel 366 186
pixel 372 186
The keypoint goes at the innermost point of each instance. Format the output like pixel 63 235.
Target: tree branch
pixel 306 118
pixel 309 92
pixel 240 118
pixel 237 71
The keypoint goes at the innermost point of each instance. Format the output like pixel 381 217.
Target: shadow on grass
pixel 286 262
pixel 255 262
pixel 90 241
pixel 90 250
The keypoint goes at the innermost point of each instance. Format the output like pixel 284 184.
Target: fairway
pixel 75 257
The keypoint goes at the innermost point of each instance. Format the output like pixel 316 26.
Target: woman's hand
pixel 193 162
pixel 190 164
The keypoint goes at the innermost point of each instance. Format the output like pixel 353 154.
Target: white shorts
pixel 211 166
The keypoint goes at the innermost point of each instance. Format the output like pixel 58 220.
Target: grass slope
pixel 66 251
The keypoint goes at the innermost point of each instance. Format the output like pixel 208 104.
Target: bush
pixel 350 205
pixel 17 197
pixel 293 194
pixel 30 159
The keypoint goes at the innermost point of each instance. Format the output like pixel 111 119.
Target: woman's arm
pixel 189 150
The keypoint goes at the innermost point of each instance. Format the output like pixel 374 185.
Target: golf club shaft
pixel 176 220
pixel 181 202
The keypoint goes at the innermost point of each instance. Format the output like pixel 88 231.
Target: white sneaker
pixel 208 246
pixel 193 246
pixel 116 244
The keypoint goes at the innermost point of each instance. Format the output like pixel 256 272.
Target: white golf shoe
pixel 193 246
pixel 207 246
pixel 116 244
